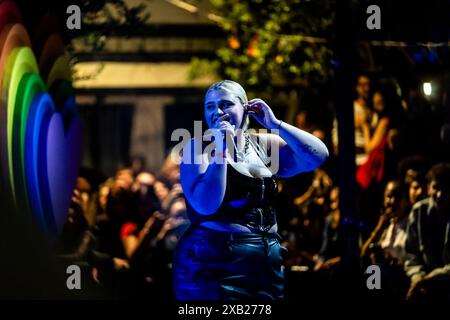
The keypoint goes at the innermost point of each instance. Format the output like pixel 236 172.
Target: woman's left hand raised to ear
pixel 261 111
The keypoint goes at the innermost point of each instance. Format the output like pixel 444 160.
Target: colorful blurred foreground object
pixel 12 37
pixel 40 130
pixel 21 62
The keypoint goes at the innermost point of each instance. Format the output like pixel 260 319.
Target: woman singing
pixel 232 249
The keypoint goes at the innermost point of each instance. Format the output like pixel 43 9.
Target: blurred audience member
pixel 417 189
pixel 330 251
pixel 428 246
pixel 386 244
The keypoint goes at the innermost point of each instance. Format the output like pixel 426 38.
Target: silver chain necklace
pixel 241 155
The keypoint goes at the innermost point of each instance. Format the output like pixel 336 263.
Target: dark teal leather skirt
pixel 215 265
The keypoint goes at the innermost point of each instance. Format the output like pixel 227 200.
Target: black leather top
pixel 248 201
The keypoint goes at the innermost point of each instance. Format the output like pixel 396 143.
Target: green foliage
pixel 267 43
pixel 106 16
pixel 202 67
pixel 102 18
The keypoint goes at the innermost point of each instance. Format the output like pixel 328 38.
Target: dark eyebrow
pixel 220 101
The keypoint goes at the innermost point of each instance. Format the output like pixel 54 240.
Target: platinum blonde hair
pixel 238 91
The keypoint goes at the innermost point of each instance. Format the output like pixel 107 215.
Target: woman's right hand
pixel 223 131
pixel 223 125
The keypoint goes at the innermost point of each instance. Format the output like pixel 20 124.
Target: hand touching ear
pixel 261 111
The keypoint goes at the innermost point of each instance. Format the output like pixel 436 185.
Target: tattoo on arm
pixel 306 148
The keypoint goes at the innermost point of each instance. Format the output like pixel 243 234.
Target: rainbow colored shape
pixel 60 166
pixel 12 36
pixel 22 62
pixel 40 130
pixel 39 115
pixel 30 86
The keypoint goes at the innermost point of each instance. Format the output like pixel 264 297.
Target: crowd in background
pixel 123 230
pixel 402 195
